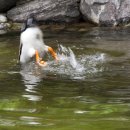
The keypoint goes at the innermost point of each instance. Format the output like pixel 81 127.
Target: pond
pixel 88 89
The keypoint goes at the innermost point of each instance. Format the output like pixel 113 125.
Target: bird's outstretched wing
pixel 20 49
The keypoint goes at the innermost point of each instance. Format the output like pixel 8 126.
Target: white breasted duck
pixel 32 44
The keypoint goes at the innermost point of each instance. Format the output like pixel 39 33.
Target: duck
pixel 32 44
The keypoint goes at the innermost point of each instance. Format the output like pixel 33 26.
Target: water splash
pixel 67 55
pixel 75 67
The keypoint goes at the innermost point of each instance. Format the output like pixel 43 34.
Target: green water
pixel 93 96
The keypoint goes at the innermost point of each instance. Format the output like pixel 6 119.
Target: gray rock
pixel 3 18
pixel 106 12
pixel 5 26
pixel 108 15
pixel 47 11
pixel 20 2
pixel 6 4
pixel 124 12
pixel 91 9
pixel 3 32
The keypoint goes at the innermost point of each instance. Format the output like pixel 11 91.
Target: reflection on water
pixel 31 75
pixel 87 89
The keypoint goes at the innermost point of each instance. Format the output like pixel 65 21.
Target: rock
pixel 6 4
pixel 20 2
pixel 106 12
pixel 5 26
pixel 107 16
pixel 3 32
pixel 124 12
pixel 46 10
pixel 3 18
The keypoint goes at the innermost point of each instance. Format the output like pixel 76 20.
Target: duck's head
pixel 30 22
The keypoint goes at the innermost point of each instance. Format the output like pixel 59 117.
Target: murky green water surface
pixel 89 89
